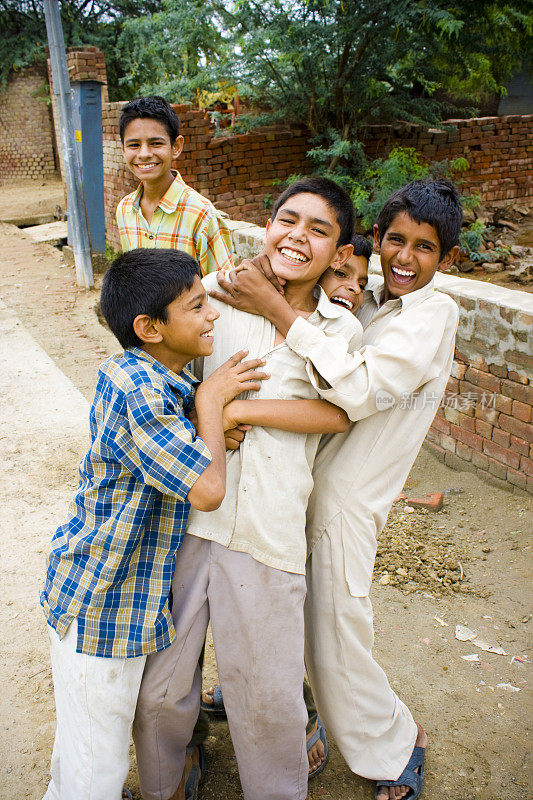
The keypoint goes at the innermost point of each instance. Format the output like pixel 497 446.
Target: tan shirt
pixel 269 478
pixel 391 388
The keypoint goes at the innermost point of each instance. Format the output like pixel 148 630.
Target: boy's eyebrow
pixel 313 221
pixel 195 299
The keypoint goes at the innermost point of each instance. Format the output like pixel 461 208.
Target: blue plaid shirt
pixel 111 564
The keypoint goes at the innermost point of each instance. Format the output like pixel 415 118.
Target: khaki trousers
pixel 373 729
pixel 256 617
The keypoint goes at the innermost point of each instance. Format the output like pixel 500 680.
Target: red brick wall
pixel 499 150
pixel 26 144
pixel 485 423
pixel 235 173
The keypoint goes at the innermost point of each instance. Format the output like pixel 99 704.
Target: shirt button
pixel 151 236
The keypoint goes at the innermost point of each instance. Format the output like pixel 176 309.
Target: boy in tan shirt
pixel 391 387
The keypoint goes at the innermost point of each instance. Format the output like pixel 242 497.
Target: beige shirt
pixel 391 388
pixel 269 480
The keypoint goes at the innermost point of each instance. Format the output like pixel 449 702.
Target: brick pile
pixel 27 145
pixel 498 149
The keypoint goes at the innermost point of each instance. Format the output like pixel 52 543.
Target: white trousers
pixel 95 704
pixel 373 729
pixel 257 622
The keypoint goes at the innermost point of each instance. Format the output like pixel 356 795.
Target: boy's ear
pixel 449 258
pixel 147 329
pixel 177 147
pixel 377 243
pixel 342 255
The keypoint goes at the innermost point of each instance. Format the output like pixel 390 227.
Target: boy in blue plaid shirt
pixel 107 590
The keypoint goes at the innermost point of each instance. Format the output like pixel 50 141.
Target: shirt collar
pixel 170 200
pixel 182 383
pixel 376 288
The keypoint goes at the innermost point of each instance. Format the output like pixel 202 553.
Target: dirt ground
pixel 475 711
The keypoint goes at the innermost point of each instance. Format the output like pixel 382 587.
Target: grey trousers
pixel 257 623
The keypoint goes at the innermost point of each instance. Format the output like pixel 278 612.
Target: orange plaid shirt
pixel 184 220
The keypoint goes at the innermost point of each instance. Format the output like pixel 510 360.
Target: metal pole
pixel 75 201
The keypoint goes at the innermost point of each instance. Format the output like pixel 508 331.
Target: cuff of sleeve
pixel 302 336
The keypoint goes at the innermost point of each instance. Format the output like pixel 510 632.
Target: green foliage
pixel 384 175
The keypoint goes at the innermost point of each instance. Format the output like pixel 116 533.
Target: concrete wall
pixel 27 142
pixel 485 421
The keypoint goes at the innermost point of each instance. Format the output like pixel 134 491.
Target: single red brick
pixel 518 377
pixel 501 437
pixel 483 379
pixel 467 437
pixel 516 478
pixel 452 386
pixel 516 427
pixel 526 466
pixel 521 411
pixel 520 445
pixel 432 501
pixel 484 428
pixel 480 460
pixel 463 451
pixel 499 371
pixel 501 454
pixel 504 404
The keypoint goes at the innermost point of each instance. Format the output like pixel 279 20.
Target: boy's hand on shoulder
pixel 249 288
pixel 231 379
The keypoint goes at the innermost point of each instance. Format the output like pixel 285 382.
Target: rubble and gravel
pixel 417 554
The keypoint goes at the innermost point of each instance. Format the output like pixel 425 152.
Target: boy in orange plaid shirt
pixel 163 211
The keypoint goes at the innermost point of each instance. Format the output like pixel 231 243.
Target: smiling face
pixel 187 333
pixel 410 255
pixel 301 241
pixel 344 285
pixel 148 151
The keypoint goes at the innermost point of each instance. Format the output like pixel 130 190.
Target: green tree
pixel 23 42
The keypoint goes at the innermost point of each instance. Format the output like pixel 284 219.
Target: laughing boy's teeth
pixel 407 273
pixel 145 166
pixel 285 251
pixel 343 301
pixel 207 335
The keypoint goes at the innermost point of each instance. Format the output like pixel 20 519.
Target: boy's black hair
pixel 153 107
pixel 333 194
pixel 435 202
pixel 144 281
pixel 361 246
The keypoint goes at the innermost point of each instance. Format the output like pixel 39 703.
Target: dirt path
pixel 478 731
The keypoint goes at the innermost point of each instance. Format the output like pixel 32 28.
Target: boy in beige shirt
pixel 243 566
pixel 391 387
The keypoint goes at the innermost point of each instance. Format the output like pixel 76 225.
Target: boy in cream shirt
pixel 391 388
pixel 243 566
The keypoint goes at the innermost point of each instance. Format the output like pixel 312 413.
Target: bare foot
pixel 317 753
pixel 191 760
pixel 397 792
pixel 207 696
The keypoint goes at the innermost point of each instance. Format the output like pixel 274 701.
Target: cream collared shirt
pixel 391 389
pixel 269 478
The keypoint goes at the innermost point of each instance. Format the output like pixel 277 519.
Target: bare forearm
pixel 208 491
pixel 298 416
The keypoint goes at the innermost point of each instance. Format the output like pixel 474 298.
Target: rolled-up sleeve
pixel 162 444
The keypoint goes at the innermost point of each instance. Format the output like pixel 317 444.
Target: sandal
pixel 409 776
pixel 320 733
pixel 216 708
